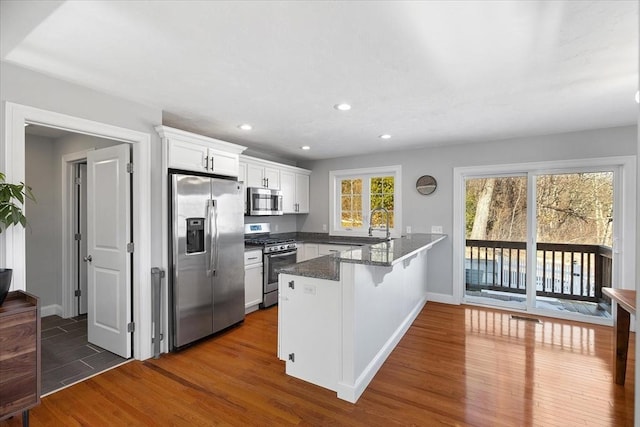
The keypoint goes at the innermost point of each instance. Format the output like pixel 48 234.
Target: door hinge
pixel 131 327
pixel 77 293
pixel 77 236
pixel 77 180
pixel 129 167
pixel 130 247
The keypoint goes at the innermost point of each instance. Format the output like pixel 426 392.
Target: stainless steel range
pixel 276 253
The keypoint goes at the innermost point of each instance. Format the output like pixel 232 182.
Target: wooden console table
pixel 626 300
pixel 19 355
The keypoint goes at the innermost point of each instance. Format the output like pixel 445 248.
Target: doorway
pixel 545 238
pixel 68 354
pixel 12 249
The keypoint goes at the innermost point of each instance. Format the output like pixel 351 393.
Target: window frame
pixel 335 228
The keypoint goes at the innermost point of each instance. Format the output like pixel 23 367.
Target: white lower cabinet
pixel 252 280
pixel 313 250
pixel 309 329
pixel 327 249
pixel 309 251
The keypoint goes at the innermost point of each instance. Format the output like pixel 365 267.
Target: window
pixel 355 193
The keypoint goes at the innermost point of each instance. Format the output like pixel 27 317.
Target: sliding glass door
pixel 540 241
pixel 574 234
pixel 495 259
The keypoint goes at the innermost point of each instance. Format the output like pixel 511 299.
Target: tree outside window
pixel 382 195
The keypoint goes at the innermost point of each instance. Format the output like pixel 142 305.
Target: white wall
pixel 279 223
pixel 421 212
pixel 43 250
pixel 26 87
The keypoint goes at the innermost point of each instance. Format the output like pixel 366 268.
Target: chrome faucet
pixel 386 212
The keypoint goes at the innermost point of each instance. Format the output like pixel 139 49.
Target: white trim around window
pixel 334 206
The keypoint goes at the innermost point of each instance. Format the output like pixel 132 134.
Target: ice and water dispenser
pixel 195 235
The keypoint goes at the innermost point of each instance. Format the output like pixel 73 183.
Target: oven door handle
pixel 282 254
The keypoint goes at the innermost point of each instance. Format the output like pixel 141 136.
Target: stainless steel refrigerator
pixel 207 246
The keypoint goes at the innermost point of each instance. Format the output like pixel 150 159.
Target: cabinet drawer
pixel 253 257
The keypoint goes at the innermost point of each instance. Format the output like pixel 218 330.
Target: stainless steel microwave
pixel 264 201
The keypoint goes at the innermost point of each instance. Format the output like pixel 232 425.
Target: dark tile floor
pixel 67 356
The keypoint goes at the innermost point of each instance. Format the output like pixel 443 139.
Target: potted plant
pixel 12 198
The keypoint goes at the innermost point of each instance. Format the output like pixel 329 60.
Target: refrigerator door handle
pixel 213 228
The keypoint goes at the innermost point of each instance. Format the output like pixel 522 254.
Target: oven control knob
pixel 282 247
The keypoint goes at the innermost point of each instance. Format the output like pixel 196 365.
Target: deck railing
pixel 568 271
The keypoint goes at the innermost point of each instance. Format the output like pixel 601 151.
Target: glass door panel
pixel 574 233
pixel 496 231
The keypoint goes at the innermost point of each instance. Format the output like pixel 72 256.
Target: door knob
pixel 88 258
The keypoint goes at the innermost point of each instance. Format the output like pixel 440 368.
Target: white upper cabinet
pixel 291 180
pixel 295 191
pixel 191 152
pixel 302 193
pixel 259 175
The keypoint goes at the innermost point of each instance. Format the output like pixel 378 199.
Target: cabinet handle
pixel 211 162
pixel 253 257
pixel 206 162
pixel 267 182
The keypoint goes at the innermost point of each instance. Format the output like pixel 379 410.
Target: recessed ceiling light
pixel 305 147
pixel 342 107
pixel 385 136
pixel 245 126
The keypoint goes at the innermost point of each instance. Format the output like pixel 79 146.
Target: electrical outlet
pixel 436 229
pixel 324 227
pixel 408 229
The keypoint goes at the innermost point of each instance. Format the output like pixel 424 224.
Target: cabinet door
pixel 255 176
pixel 242 177
pixel 310 251
pixel 187 156
pixel 273 178
pixel 222 163
pixel 252 285
pixel 302 193
pixel 288 187
pixel 325 249
pixel 309 329
pixel 242 173
pixel 300 253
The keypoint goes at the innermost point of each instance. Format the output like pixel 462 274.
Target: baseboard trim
pixel 442 298
pixel 51 310
pixel 352 392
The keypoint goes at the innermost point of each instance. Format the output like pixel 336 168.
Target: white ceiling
pixel 428 73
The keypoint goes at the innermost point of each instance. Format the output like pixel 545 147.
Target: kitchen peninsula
pixel 341 315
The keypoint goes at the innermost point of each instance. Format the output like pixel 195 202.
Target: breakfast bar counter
pixel 341 315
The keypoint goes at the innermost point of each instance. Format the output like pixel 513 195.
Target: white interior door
pixel 109 263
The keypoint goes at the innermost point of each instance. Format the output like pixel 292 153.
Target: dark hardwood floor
pixel 456 366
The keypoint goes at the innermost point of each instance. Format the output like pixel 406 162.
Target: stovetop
pixel 266 241
pixel 258 235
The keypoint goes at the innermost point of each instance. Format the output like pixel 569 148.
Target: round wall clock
pixel 426 184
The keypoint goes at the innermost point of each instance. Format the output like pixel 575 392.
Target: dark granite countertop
pixel 305 237
pixel 385 254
